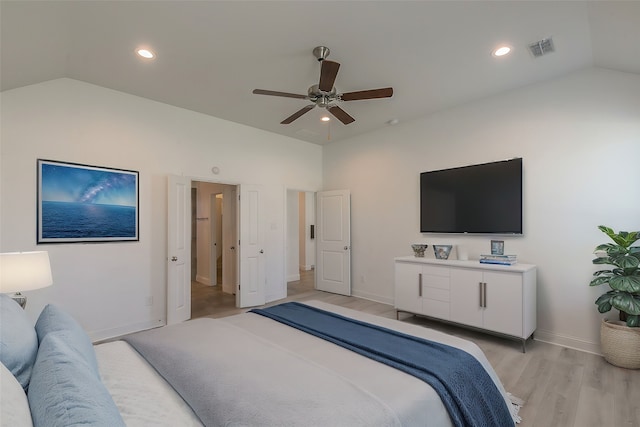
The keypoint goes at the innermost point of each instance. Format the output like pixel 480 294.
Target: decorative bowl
pixel 442 251
pixel 418 249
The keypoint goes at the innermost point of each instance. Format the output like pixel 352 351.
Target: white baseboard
pixel 106 334
pixel 567 341
pixel 372 297
pixel 307 267
pixel 204 280
pixel 293 277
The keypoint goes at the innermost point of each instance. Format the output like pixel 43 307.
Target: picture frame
pixel 442 251
pixel 497 247
pixel 79 203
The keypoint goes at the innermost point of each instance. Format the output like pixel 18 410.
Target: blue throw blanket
pixel 467 391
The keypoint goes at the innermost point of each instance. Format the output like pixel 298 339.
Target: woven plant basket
pixel 620 344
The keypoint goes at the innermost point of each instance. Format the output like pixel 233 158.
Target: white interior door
pixel 333 241
pixel 178 250
pixel 251 283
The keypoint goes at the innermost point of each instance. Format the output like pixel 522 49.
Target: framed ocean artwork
pixel 82 203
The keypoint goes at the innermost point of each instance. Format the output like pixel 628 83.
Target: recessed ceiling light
pixel 325 118
pixel 146 53
pixel 501 51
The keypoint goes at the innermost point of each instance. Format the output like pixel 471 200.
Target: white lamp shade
pixel 24 271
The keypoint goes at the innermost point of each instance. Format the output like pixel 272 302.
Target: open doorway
pixel 214 255
pixel 300 242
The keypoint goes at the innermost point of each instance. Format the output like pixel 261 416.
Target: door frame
pixel 191 179
pixel 286 235
pixel 214 251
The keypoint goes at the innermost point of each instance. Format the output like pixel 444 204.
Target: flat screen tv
pixel 479 199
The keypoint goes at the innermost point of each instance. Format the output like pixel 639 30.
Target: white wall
pixel 579 137
pixel 107 286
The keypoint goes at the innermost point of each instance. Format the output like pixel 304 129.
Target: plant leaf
pixel 627 303
pixel 625 283
pixel 624 261
pixel 604 306
pixel 605 297
pixel 622 238
pixel 633 321
pixel 632 237
pixel 600 280
pixel 606 230
pixel 604 247
pixel 601 272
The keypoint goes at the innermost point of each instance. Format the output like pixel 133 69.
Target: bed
pixel 243 370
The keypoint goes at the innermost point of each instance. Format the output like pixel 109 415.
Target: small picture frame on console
pixel 497 247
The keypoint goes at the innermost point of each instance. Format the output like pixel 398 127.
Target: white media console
pixel 500 299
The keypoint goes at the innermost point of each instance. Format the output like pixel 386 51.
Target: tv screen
pixel 482 199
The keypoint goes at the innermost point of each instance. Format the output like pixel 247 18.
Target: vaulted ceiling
pixel 212 54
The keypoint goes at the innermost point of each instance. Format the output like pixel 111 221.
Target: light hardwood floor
pixel 561 387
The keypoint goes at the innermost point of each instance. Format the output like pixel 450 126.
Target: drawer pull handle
pixel 420 284
pixel 484 287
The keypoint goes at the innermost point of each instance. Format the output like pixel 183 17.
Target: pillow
pixel 54 319
pixel 18 340
pixel 64 389
pixel 14 405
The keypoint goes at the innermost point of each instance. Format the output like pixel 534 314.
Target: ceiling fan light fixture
pixel 501 51
pixel 325 118
pixel 324 94
pixel 145 53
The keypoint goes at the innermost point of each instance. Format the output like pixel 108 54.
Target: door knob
pixel 261 251
pixel 174 258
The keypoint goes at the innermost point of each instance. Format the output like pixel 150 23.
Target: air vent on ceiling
pixel 542 47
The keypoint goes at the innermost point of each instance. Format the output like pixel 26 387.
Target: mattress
pixel 143 397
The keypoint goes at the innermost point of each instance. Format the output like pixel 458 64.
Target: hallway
pixel 210 301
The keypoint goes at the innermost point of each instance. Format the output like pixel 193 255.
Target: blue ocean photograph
pixel 79 203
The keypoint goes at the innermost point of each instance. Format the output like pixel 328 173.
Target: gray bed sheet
pixel 249 370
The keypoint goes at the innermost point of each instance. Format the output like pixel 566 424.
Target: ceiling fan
pixel 324 94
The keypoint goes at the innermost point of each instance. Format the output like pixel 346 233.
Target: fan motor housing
pixel 322 99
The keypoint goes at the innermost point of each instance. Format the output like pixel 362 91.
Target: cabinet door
pixel 407 289
pixel 503 311
pixel 465 296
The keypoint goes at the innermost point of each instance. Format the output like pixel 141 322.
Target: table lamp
pixel 24 271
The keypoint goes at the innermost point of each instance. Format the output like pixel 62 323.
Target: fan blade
pixel 274 93
pixel 341 115
pixel 386 92
pixel 297 114
pixel 328 75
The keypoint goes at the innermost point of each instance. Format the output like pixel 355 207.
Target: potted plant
pixel 620 340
